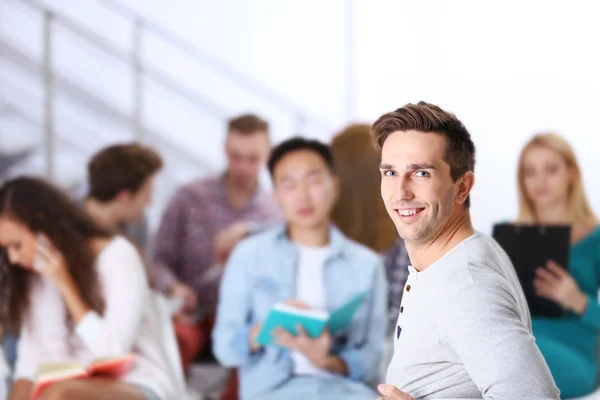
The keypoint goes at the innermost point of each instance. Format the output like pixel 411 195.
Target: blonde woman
pixel 551 192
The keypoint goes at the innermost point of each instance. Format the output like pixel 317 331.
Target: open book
pixel 111 367
pixel 312 321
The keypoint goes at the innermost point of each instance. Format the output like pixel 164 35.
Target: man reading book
pixel 308 264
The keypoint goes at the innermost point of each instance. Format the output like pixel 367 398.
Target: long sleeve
pixel 496 347
pixel 125 290
pixel 230 334
pixel 27 354
pixel 591 316
pixel 42 332
pixel 363 358
pixel 167 243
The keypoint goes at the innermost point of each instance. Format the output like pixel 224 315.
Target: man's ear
pixel 124 196
pixel 464 185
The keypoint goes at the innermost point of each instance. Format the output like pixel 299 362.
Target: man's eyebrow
pixel 409 167
pixel 420 166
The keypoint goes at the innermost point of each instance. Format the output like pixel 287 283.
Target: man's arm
pixel 481 324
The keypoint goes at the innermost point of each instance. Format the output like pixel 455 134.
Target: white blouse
pixel 129 324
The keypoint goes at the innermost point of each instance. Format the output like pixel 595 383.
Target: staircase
pixel 55 112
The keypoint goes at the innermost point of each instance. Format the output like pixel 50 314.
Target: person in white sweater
pixel 76 293
pixel 464 329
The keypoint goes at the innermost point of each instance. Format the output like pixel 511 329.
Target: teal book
pixel 312 321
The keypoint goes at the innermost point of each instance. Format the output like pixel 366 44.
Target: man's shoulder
pixel 199 189
pixel 263 240
pixel 360 253
pixel 479 262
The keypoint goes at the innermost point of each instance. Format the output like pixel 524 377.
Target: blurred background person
pixel 120 184
pixel 551 192
pixel 76 293
pixel 202 223
pixel 359 212
pixel 361 215
pixel 306 263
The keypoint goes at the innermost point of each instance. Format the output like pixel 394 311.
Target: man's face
pixel 246 154
pixel 133 205
pixel 305 188
pixel 416 184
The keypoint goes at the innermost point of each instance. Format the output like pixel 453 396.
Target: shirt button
pixel 401 309
pixel 408 288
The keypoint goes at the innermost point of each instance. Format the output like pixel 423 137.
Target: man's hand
pixel 315 350
pixel 183 318
pixel 297 304
pixel 252 336
pixel 226 240
pixel 390 392
pixel 187 294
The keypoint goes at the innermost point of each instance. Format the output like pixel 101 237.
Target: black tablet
pixel 530 247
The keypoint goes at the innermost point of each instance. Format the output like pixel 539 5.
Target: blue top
pixel 260 273
pixel 570 344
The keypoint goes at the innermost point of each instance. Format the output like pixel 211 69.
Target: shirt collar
pixel 254 200
pixel 337 241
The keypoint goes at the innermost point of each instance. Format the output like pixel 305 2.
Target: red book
pixel 110 367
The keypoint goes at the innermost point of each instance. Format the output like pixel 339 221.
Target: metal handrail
pixel 257 89
pixel 91 101
pixel 215 64
pixel 22 115
pixel 142 71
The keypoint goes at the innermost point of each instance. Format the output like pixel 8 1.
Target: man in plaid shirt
pixel 202 223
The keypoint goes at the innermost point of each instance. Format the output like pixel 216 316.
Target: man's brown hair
pixel 429 118
pixel 121 167
pixel 248 123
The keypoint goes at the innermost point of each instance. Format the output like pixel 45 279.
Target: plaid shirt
pixel 184 243
pixel 396 263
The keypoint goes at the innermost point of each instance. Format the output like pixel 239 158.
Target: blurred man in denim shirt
pixel 306 263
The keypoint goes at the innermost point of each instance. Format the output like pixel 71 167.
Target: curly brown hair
pixel 45 209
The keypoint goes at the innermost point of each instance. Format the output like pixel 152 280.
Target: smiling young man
pixel 464 329
pixel 305 262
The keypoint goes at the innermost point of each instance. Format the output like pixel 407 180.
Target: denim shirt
pixel 261 272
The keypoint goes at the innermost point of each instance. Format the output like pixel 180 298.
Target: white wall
pixel 506 69
pixel 295 49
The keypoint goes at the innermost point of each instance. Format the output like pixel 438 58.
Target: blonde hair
pixel 359 212
pixel 578 206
